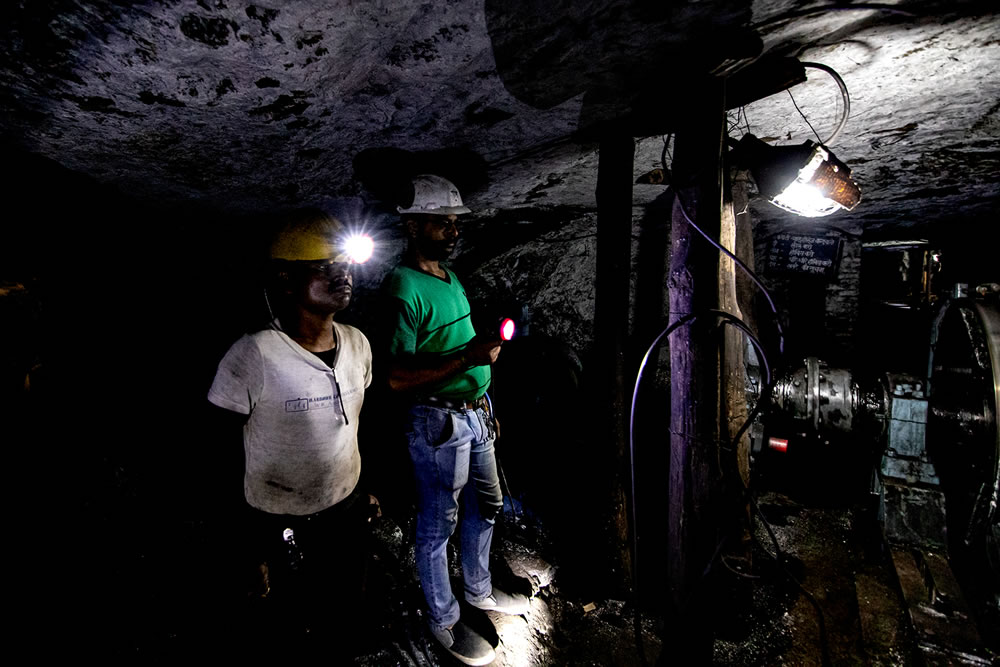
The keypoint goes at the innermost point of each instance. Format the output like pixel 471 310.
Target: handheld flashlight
pixel 506 328
pixel 359 248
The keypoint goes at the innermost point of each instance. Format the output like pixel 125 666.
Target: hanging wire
pixel 736 572
pixel 845 96
pixel 503 478
pixel 746 269
pixel 732 320
pixel 762 401
pixel 751 417
pixel 663 153
pixel 268 302
pixel 778 558
pixel 733 123
pixel 804 116
pixel 890 9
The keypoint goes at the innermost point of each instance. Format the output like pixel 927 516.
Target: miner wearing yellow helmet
pixel 297 385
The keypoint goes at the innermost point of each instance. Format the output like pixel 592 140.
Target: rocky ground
pixel 762 616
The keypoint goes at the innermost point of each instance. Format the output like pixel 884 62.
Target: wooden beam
pixel 692 529
pixel 611 316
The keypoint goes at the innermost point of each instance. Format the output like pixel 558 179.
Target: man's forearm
pixel 403 377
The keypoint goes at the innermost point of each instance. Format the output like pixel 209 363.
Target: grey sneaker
pixel 505 603
pixel 467 645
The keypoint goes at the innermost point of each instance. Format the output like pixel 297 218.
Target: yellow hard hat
pixel 309 235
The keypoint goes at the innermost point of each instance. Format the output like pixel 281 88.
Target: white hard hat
pixel 434 195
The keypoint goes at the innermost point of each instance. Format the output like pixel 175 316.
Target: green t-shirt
pixel 433 319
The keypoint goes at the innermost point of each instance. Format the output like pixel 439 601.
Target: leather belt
pixel 456 404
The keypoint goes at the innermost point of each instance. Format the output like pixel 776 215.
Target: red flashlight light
pixel 778 444
pixel 507 329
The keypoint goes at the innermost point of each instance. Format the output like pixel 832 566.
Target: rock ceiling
pixel 248 106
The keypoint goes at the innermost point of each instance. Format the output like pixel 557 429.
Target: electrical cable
pixel 890 9
pixel 746 269
pixel 819 138
pixel 824 646
pixel 340 396
pixel 636 614
pixel 732 320
pixel 762 401
pixel 744 575
pixel 738 323
pixel 268 302
pixel 688 319
pixel 777 556
pixel 754 413
pixel 503 477
pixel 844 94
pixel 663 153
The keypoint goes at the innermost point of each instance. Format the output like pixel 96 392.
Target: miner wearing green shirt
pixel 443 370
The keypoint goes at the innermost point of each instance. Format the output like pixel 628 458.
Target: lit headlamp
pixel 358 248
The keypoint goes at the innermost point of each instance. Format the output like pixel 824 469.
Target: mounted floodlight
pixel 807 180
pixel 359 248
pixel 507 329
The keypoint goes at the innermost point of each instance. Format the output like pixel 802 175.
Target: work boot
pixel 505 603
pixel 467 645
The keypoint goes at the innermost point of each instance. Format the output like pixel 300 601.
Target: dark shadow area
pixel 387 172
pixel 141 553
pixel 547 53
pixel 133 491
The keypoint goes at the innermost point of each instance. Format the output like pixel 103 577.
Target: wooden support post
pixel 611 311
pixel 733 404
pixel 693 523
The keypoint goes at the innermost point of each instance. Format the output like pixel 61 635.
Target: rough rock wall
pixel 256 105
pixel 922 135
pixel 552 276
pixel 252 104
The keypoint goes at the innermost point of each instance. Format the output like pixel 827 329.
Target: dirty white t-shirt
pixel 301 453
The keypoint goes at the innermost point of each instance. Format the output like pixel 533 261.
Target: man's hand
pixel 405 377
pixel 374 508
pixel 482 352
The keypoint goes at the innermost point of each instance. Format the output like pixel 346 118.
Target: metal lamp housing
pixel 807 180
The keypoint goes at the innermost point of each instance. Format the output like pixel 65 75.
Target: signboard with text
pixel 803 253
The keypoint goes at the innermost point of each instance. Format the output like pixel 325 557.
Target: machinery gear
pixel 434 195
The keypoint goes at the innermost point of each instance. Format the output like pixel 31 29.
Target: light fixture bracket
pixel 807 179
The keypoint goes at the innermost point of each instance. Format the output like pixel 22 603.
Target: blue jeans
pixel 453 459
